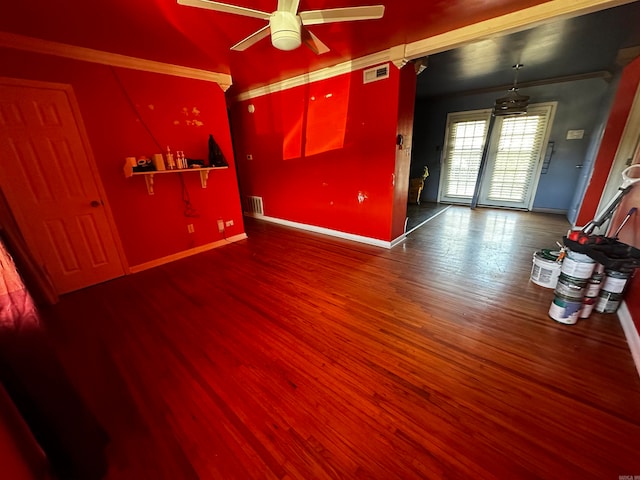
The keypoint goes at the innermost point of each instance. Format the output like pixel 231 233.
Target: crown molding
pixel 400 55
pixel 37 45
pixel 317 75
pixel 506 24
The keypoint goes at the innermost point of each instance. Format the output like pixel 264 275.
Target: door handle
pixel 579 166
pixel 95 203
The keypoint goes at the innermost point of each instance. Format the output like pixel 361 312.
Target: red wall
pixel 178 112
pixel 613 133
pixel 324 153
pixel 610 141
pixel 406 106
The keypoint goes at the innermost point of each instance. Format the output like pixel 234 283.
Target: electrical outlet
pixel 190 228
pixel 220 226
pixel 229 223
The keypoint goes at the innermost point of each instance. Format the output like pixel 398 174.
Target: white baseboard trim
pixel 631 332
pixel 327 231
pixel 556 211
pixel 186 253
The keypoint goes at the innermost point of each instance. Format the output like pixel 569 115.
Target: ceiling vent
pixel 376 73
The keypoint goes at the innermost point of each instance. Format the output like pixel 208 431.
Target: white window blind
pixel 516 157
pixel 513 158
pixel 463 153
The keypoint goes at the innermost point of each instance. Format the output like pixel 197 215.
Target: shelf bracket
pixel 204 176
pixel 148 179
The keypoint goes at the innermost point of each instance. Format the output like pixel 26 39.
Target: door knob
pixel 95 203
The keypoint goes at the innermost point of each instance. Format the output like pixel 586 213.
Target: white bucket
pixel 546 268
pixel 565 310
pixel 578 265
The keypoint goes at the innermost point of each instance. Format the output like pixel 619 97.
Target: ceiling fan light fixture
pixel 285 31
pixel 512 103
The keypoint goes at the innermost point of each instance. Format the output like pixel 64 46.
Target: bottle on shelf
pixel 180 159
pixel 171 165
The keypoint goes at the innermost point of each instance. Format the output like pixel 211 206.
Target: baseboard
pixel 327 231
pixel 631 332
pixel 556 211
pixel 186 253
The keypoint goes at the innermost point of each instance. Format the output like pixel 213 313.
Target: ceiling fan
pixel 287 26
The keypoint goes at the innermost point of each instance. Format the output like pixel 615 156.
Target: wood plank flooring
pixel 291 355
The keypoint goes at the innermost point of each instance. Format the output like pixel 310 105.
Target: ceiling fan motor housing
pixel 285 30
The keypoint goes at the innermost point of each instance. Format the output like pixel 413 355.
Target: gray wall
pixel 582 105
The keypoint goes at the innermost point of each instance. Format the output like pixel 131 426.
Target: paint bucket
pixel 594 285
pixel 565 310
pixel 570 287
pixel 588 303
pixel 578 265
pixel 615 282
pixel 608 302
pixel 546 268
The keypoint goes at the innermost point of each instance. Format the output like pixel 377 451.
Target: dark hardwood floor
pixel 299 356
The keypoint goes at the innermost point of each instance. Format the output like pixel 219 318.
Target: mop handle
pixel 607 211
pixel 626 179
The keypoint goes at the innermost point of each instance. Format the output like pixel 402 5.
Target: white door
pixel 49 183
pixel 515 158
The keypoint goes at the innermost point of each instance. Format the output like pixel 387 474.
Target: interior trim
pixel 186 253
pixel 327 231
pixel 46 47
pixel 631 332
pixel 317 75
pixel 508 23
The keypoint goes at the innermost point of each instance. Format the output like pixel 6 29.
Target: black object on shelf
pixel 216 157
pixel 610 252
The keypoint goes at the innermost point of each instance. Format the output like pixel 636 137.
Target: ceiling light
pixel 512 103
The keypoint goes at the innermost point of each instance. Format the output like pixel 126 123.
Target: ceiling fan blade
pixel 347 14
pixel 252 39
pixel 290 6
pixel 314 43
pixel 226 8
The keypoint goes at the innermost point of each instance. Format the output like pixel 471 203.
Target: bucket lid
pixel 547 254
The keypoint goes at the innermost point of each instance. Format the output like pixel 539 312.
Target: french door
pixel 514 157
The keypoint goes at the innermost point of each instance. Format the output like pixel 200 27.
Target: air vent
pixel 254 206
pixel 376 73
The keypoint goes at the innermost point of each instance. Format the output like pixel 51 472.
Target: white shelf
pixel 149 176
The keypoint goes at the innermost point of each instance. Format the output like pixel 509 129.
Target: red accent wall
pixel 125 113
pixel 406 107
pixel 623 101
pixel 610 141
pixel 324 153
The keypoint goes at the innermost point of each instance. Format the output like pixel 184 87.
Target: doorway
pixel 513 157
pixel 51 185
